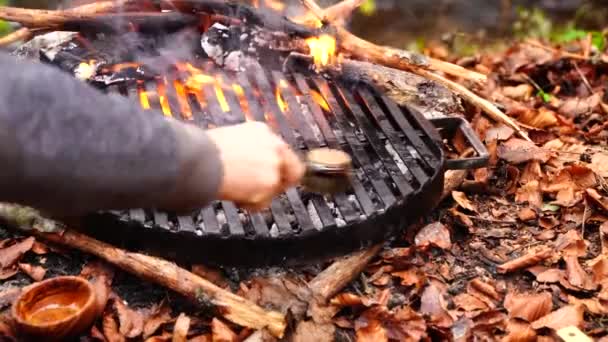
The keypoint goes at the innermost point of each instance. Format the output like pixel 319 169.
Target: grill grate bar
pixel 293 197
pixel 310 141
pixel 216 115
pixel 344 205
pixel 412 135
pixel 358 149
pixel 376 141
pixel 278 212
pixel 257 220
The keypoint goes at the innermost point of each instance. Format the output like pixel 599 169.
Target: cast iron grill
pixel 398 165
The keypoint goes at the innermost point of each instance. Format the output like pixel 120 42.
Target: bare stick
pixel 20 34
pixel 474 99
pixel 332 14
pixel 234 308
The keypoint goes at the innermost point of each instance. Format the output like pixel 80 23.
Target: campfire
pixel 214 63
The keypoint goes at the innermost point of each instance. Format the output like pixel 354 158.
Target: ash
pixel 225 45
pixel 396 158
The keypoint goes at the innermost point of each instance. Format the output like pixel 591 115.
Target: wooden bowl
pixel 55 309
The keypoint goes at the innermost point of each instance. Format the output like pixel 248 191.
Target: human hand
pixel 258 164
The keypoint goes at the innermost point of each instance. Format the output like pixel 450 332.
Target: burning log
pixel 199 290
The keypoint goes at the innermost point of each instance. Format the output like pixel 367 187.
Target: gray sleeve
pixel 68 149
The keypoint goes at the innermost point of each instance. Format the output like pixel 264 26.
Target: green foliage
pixel 4 26
pixel 546 97
pixel 368 8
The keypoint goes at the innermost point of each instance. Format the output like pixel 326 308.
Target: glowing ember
pixel 162 95
pixel 322 49
pixel 182 98
pixel 143 99
pixel 282 104
pixel 220 95
pixel 121 66
pixel 320 100
pixel 85 71
pixel 275 5
pixel 238 90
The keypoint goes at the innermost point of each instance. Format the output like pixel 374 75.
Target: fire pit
pixel 398 157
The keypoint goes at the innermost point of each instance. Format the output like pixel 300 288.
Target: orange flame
pixel 182 98
pixel 280 101
pixel 240 94
pixel 320 100
pixel 275 5
pixel 322 49
pixel 220 95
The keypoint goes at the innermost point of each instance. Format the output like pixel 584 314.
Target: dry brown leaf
pixel 569 315
pixel 575 274
pixel 541 118
pixel 11 254
pixel 517 151
pixel 530 259
pixel 96 334
pixel 220 332
pixel 594 197
pixel 528 306
pixel 309 331
pixel 434 234
pixel 530 193
pixel 201 338
pixel 371 331
pixel 131 323
pixel 411 276
pixel 403 324
pixel 489 321
pixel 521 92
pixel 499 133
pixel 110 328
pixel 433 304
pixel 282 293
pixel 571 243
pixel 468 303
pixel 519 331
pixel 181 328
pixel 164 337
pixel 160 315
pixel 8 272
pixel 213 275
pixel 593 305
pixel 8 331
pixel 100 275
pixel 40 248
pixel 576 106
pixel 599 267
pixel 463 201
pixel 35 272
pixel 551 276
pixel 599 164
pixel 526 214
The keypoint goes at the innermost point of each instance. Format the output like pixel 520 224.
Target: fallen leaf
pixel 521 92
pixel 530 259
pixel 463 201
pixel 96 334
pixel 517 151
pixel 569 315
pixel 468 303
pixel 528 306
pixel 309 331
pixel 131 322
pixel 207 338
pixel 181 328
pixel 35 272
pixel 593 305
pixel 434 234
pixel 213 275
pixel 8 331
pixel 489 321
pixel 526 214
pixel 571 243
pixel 576 106
pixel 599 267
pixel 220 332
pixel 499 133
pixel 576 275
pixel 530 193
pixel 519 331
pixel 433 303
pixel 551 276
pixel 370 331
pixel 594 197
pixel 40 248
pixel 599 164
pixel 160 314
pixel 8 272
pixel 100 275
pixel 282 293
pixel 484 292
pixel 110 328
pixel 11 254
pixel 541 118
pixel 411 276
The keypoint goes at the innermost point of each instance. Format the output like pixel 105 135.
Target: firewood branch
pixel 234 308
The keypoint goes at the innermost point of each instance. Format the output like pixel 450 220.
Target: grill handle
pixel 448 127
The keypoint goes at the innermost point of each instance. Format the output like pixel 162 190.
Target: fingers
pixel 292 168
